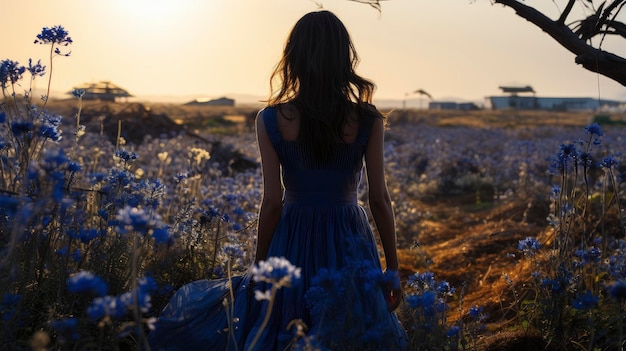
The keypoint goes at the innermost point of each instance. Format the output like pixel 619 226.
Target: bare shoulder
pixel 288 121
pixel 258 121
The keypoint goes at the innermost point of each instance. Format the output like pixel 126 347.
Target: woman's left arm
pixel 271 204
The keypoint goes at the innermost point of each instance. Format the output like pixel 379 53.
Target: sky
pixel 177 50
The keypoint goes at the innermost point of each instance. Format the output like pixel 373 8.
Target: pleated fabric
pixel 324 232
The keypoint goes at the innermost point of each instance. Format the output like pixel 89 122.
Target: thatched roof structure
pixel 103 90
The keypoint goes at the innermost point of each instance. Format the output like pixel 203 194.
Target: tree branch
pixel 566 12
pixel 591 58
pixel 373 3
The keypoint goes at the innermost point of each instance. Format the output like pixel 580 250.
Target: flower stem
pixel 266 319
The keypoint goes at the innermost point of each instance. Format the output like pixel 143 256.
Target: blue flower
pixel 567 150
pixel 553 285
pixel 105 306
pixel 218 272
pixel 86 282
pixel 85 235
pixel 180 177
pixel 585 159
pixel 529 246
pixel 36 69
pixel 585 301
pixel 53 159
pixel 74 167
pixel 21 128
pixel 132 218
pixel 62 251
pixel 117 306
pixel 559 163
pixel 9 205
pixel 50 132
pixel 555 193
pixel 593 129
pixel 608 162
pixel 48 118
pixel 475 312
pixel 588 256
pixel 55 35
pixel 424 280
pixel 276 270
pixel 79 93
pixel 454 331
pixel 444 288
pixel 147 284
pixel 425 300
pixel 226 218
pixel 617 290
pixel 126 155
pixel 10 72
pixel 161 235
pixel 441 305
pixel 234 251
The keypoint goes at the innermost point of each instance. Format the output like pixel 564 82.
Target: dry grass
pixel 465 243
pixel 197 116
pixel 499 118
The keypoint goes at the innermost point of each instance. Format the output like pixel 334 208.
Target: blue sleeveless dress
pixel 324 232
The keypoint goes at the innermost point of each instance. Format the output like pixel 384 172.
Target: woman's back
pixel 289 124
pixel 336 177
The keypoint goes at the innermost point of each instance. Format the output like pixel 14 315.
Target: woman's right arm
pixel 380 203
pixel 271 204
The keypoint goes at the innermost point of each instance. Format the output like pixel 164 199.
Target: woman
pixel 313 137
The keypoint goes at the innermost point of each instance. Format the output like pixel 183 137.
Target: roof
pixel 518 89
pixel 102 90
pixel 205 101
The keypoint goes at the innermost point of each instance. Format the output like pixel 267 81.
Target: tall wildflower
pixel 428 313
pixel 574 275
pixel 278 273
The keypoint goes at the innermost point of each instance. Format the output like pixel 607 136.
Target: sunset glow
pixel 176 50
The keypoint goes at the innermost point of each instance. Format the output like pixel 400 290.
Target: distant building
pixel 549 103
pixel 450 105
pixel 103 90
pixel 516 102
pixel 223 101
pixel 442 105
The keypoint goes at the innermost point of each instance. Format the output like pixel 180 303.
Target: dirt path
pixel 475 244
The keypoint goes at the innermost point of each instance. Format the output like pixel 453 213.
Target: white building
pixel 549 103
pixel 517 102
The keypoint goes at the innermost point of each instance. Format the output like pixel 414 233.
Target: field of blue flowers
pixel 97 234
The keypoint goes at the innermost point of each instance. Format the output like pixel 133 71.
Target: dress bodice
pixel 306 180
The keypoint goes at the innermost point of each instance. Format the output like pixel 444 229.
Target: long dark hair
pixel 317 75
